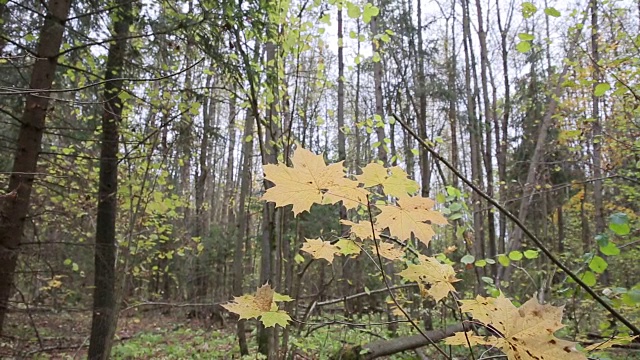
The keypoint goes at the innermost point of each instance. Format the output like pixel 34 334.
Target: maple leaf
pixel 408 217
pixel 348 247
pixel 388 251
pixel 244 306
pixel 430 271
pixel 320 249
pixel 526 332
pixel 347 191
pixel 361 230
pixel 311 181
pixel 273 318
pixel 397 183
pixel 261 305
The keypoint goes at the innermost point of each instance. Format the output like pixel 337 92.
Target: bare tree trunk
pixel 242 224
pixel 501 129
pixel 425 165
pixel 488 156
pixel 105 317
pixel 597 131
pixel 377 80
pixel 269 149
pixel 29 141
pixel 201 277
pixel 474 139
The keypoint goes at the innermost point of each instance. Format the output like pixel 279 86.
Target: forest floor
pixel 64 335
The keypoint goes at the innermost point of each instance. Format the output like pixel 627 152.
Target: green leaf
pixel 523 47
pixel 528 9
pixel 481 263
pixel 353 10
pixel 619 223
pixel 504 260
pixel 487 280
pixel 440 198
pixel 631 298
pixel 490 261
pixel 273 318
pixel 369 12
pixel 299 259
pixel 610 249
pixel 551 11
pixel 526 37
pixel 598 264
pixel 515 255
pixel 589 278
pixel 601 89
pixel 467 259
pixel 531 254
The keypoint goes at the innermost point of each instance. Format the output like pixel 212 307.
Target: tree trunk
pixel 104 295
pixel 423 156
pixel 29 141
pixel 501 129
pixel 597 132
pixel 269 149
pixel 488 156
pixel 243 224
pixel 474 139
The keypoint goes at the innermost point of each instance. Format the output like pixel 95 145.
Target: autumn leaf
pixel 361 230
pixel 261 305
pixel 394 181
pixel 410 216
pixel 431 272
pixel 348 247
pixel 347 191
pixel 388 251
pixel 526 333
pixel 320 249
pixel 311 181
pixel 273 318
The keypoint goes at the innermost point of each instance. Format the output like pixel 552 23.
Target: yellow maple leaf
pixel 388 251
pixel 526 333
pixel 398 183
pixel 311 181
pixel 361 230
pixel 372 175
pixel 320 249
pixel 261 305
pixel 394 181
pixel 430 271
pixel 347 191
pixel 410 216
pixel 245 306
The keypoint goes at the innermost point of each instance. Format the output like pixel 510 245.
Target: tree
pixel 28 145
pixel 105 315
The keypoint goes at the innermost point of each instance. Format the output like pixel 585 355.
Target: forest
pixel 320 179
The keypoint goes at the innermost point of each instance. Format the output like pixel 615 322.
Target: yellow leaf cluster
pixel 261 305
pixel 431 272
pixel 524 333
pixel 311 181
